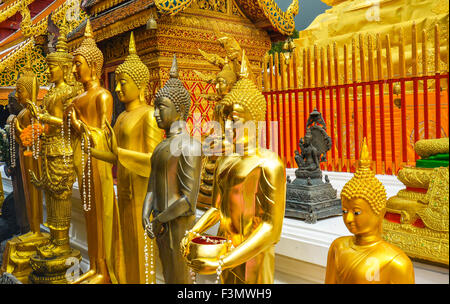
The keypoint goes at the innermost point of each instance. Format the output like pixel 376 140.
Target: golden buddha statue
pixel 365 257
pixel 136 135
pixel 416 218
pixel 19 250
pixel 58 173
pixel 174 181
pixel 249 198
pixel 90 113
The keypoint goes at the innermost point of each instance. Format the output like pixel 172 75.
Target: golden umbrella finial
pixel 132 46
pixel 88 30
pixel 244 66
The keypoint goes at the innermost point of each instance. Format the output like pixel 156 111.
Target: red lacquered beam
pixel 416 113
pixel 438 105
pixel 425 109
pixel 373 123
pixel 297 108
pixel 403 118
pixel 391 118
pixel 333 150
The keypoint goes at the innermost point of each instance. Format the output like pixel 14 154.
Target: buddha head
pixel 173 101
pixel 60 62
pixel 364 199
pixel 88 59
pixel 225 79
pixel 24 85
pixel 307 137
pixel 132 76
pixel 245 103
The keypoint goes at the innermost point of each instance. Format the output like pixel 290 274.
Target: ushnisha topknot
pixel 27 78
pixel 246 93
pixel 89 50
pixel 365 185
pixel 175 91
pixel 134 67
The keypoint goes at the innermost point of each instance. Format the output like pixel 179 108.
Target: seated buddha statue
pixel 365 258
pixel 249 196
pixel 134 137
pixel 416 218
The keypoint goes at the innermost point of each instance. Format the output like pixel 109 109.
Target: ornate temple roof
pixel 265 14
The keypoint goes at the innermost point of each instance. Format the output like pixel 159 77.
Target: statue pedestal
pixel 54 270
pixel 17 254
pixel 311 200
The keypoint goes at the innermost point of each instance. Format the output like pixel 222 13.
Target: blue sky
pixel 309 10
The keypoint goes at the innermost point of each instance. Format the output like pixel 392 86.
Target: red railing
pixel 393 112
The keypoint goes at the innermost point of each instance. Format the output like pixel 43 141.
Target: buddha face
pixel 55 72
pixel 222 86
pixel 359 217
pixel 126 89
pixel 22 94
pixel 239 116
pixel 165 113
pixel 81 69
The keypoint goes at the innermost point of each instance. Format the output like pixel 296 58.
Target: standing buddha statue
pixel 249 197
pixel 365 257
pixel 136 135
pixel 90 113
pixel 174 181
pixel 58 174
pixel 16 258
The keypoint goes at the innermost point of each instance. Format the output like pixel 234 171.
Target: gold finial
pixel 174 69
pixel 88 30
pixel 364 160
pixel 132 46
pixel 244 66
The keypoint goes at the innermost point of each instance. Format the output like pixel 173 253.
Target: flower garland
pixel 12 143
pixel 30 138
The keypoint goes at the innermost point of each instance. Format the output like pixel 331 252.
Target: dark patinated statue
pixel 308 197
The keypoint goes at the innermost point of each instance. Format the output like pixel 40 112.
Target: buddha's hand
pixel 32 108
pixel 86 135
pixel 158 228
pixel 184 246
pixel 204 266
pixel 113 140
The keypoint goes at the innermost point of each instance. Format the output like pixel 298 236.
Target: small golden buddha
pixel 249 197
pixel 366 258
pixel 174 181
pixel 27 88
pixel 90 113
pixel 16 257
pixel 135 136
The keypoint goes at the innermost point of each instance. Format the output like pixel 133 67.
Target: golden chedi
pixel 134 138
pixel 174 181
pixel 90 113
pixel 16 257
pixel 249 197
pixel 417 217
pixel 57 176
pixel 347 19
pixel 365 258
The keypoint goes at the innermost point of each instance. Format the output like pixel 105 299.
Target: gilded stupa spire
pixel 133 66
pixel 61 54
pixel 174 69
pixel 365 185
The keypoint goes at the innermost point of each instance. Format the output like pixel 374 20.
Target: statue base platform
pixel 17 254
pixel 419 243
pixel 311 200
pixel 54 270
